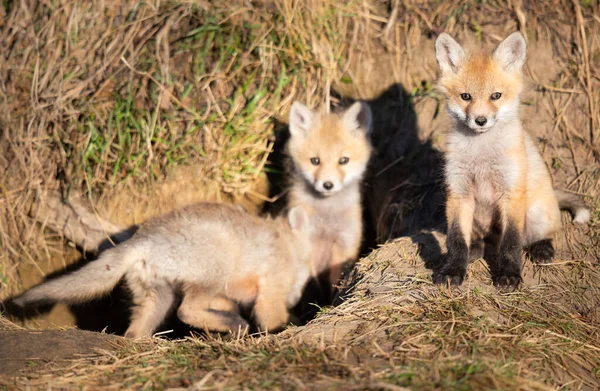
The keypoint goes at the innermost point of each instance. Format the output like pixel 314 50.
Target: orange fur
pixel 243 290
pixel 480 77
pixel 460 209
pixel 214 254
pixel 199 308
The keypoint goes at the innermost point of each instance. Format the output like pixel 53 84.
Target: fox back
pixel 226 248
pixel 217 246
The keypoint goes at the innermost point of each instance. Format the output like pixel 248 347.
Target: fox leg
pixel 345 248
pixel 204 311
pixel 270 309
pixel 212 320
pixel 336 266
pixel 150 311
pixel 512 220
pixel 541 221
pixel 340 259
pixel 220 303
pixel 459 213
pixel 476 249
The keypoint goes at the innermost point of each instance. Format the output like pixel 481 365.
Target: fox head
pixel 330 151
pixel 481 89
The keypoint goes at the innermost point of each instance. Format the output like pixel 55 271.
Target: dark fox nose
pixel 328 185
pixel 480 121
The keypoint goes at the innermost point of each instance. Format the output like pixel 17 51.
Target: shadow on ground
pixel 25 349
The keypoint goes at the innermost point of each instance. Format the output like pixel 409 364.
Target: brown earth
pixel 24 351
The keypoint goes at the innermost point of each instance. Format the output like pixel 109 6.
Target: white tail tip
pixel 582 216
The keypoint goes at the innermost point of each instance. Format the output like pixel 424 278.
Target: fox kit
pixel 330 153
pixel 499 188
pixel 213 255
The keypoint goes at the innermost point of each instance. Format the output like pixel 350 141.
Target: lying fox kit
pixel 499 188
pixel 214 255
pixel 330 153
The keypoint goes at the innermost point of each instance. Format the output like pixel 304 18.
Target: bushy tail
pixel 93 280
pixel 575 206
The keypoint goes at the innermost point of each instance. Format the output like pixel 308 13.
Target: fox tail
pixel 91 281
pixel 575 206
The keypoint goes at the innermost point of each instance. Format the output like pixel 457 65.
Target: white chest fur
pixel 482 164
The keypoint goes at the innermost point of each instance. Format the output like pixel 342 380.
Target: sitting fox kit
pixel 213 255
pixel 498 187
pixel 330 153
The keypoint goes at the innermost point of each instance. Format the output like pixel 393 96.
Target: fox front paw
pixel 453 268
pixel 509 275
pixel 510 281
pixel 541 251
pixel 273 325
pixel 271 314
pixel 234 323
pixel 133 333
pixel 449 275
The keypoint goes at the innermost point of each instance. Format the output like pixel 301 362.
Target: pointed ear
pixel 448 53
pixel 301 119
pixel 358 117
pixel 511 52
pixel 298 219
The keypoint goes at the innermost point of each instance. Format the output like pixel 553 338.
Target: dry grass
pixel 144 107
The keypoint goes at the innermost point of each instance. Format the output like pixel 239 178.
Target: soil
pixel 25 350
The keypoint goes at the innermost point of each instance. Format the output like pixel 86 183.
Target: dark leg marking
pixel 454 265
pixel 541 251
pixel 509 259
pixel 476 250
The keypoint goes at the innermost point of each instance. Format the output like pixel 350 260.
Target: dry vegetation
pixel 138 108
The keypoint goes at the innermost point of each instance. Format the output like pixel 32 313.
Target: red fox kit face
pixel 331 151
pixel 481 89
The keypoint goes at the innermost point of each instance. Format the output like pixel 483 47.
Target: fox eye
pixel 465 96
pixel 496 96
pixel 315 161
pixel 344 160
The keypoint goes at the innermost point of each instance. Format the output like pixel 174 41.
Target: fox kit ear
pixel 511 52
pixel 298 219
pixel 449 53
pixel 301 119
pixel 358 117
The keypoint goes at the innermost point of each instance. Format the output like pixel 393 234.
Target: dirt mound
pixel 548 329
pixel 28 351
